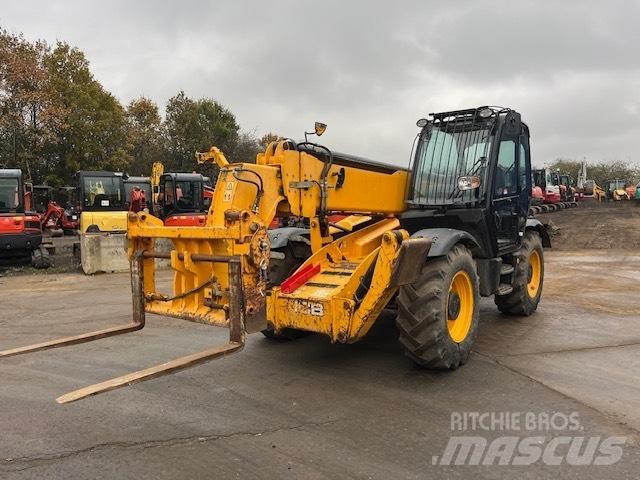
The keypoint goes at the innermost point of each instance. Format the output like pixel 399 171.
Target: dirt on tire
pixel 595 225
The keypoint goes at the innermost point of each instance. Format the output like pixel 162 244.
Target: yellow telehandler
pixel 432 239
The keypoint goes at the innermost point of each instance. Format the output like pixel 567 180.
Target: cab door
pixel 511 186
pixel 506 195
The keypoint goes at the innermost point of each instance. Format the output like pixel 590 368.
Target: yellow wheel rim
pixel 535 274
pixel 460 306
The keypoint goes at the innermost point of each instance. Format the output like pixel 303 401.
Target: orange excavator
pixel 183 199
pixel 20 229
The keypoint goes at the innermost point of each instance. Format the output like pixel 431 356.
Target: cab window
pixel 506 176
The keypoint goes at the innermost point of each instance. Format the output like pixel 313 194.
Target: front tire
pixel 438 314
pixel 529 277
pixel 279 270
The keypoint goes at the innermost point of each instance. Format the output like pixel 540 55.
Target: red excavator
pixel 20 230
pixel 550 192
pixel 57 220
pixel 48 203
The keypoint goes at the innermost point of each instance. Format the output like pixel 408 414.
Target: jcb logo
pixel 308 308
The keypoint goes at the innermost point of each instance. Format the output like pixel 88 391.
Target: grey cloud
pixel 371 68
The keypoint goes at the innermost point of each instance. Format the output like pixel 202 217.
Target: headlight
pixel 468 183
pixel 485 112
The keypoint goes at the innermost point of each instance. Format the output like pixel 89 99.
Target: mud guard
pixel 541 228
pixel 279 237
pixel 443 239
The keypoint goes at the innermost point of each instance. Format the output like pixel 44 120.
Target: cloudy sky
pixel 370 69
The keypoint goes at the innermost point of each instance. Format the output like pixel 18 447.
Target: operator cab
pixel 182 194
pixel 540 178
pixel 20 231
pixel 472 172
pixel 101 191
pixel 614 185
pixel 11 191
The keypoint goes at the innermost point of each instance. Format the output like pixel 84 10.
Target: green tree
pixel 29 115
pixel 196 125
pixel 144 135
pixel 246 148
pixel 267 138
pixel 564 165
pixel 94 131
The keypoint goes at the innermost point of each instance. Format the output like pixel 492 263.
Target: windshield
pixel 9 194
pixel 443 156
pixel 616 184
pixel 102 192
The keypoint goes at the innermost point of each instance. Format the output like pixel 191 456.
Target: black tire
pixel 40 258
pixel 520 301
pixel 295 253
pixel 423 311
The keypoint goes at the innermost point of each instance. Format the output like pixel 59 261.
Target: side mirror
pixel 320 128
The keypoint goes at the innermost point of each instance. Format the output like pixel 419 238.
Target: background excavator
pixel 615 190
pixel 103 221
pixel 20 229
pixel 182 199
pixel 436 238
pixel 551 191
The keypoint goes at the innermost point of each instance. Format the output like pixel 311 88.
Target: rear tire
pixel 295 254
pixel 424 309
pixel 529 278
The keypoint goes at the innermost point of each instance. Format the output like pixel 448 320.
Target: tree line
pixel 601 172
pixel 56 118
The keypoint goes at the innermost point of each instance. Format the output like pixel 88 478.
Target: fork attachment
pixel 137 324
pixel 236 324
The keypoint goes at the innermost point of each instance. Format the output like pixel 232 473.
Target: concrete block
pixel 103 253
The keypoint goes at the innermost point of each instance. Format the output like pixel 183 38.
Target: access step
pixel 506 269
pixel 504 289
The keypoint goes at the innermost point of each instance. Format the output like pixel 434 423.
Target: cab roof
pixel 11 172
